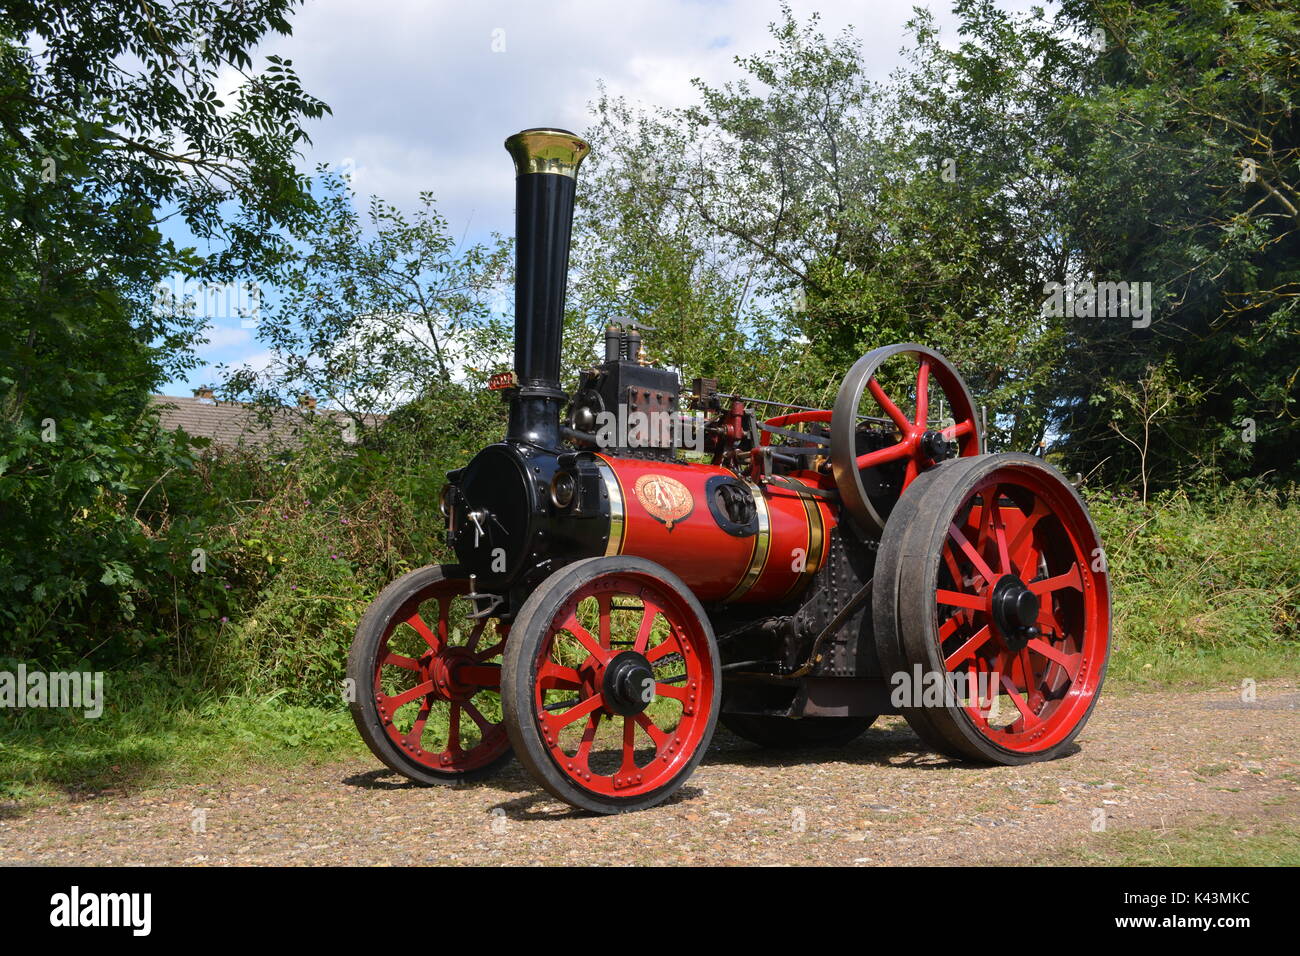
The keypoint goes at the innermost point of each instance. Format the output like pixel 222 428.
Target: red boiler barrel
pixel 676 515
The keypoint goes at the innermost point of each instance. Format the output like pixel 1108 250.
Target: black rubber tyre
pixel 789 733
pixel 889 560
pixel 529 648
pixel 376 625
pixel 905 613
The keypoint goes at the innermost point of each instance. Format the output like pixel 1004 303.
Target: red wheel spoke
pixel 1031 682
pixel 1017 672
pixel 950 560
pixel 602 602
pixel 404 698
pixel 999 531
pixel 563 719
pixel 476 715
pixel 975 705
pixel 971 554
pixel 910 473
pixel 990 691
pixel 669 645
pixel 968 649
pixel 902 421
pixel 923 392
pixel 652 730
pixel 1047 620
pixel 673 691
pixel 553 676
pixel 417 622
pixel 583 636
pixel 1068 661
pixel 949 627
pixel 648 617
pixel 1027 565
pixel 629 747
pixel 1025 536
pixel 417 729
pixel 453 729
pixel 961 599
pixel 583 757
pixel 397 660
pixel 491 652
pixel 984 526
pixel 1026 712
pixel 882 455
pixel 474 635
pixel 999 666
pixel 444 611
pixel 961 428
pixel 1068 579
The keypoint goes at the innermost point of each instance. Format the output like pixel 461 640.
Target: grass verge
pixel 153 730
pixel 1213 843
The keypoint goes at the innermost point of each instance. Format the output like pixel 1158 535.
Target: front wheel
pixel 610 684
pixel 424 676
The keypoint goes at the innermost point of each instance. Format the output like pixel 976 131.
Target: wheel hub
pixel 441 669
pixel 936 447
pixel 1015 611
pixel 628 684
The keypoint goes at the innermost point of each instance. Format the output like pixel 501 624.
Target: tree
pixel 1113 148
pixel 642 252
pixel 1188 179
pixel 111 122
pixel 852 214
pixel 377 310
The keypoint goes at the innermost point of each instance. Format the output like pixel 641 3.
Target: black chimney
pixel 546 168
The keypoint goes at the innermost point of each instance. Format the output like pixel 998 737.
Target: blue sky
pixel 424 93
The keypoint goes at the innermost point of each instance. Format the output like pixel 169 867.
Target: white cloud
pixel 421 102
pixel 224 336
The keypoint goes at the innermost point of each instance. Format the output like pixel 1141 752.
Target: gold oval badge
pixel 667 499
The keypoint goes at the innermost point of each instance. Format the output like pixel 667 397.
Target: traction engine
pixel 636 562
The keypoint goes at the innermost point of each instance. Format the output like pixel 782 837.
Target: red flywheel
pixel 900 411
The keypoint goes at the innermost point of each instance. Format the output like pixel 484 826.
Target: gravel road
pixel 1147 760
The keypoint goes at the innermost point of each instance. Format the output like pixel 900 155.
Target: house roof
pixel 235 424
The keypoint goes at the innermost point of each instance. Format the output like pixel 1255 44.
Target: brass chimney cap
pixel 555 151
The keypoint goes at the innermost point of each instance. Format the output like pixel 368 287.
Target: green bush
pixel 1203 587
pixel 308 542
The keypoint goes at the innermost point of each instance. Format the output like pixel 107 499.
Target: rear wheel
pixel 610 684
pixel 790 733
pixel 993 604
pixel 425 679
